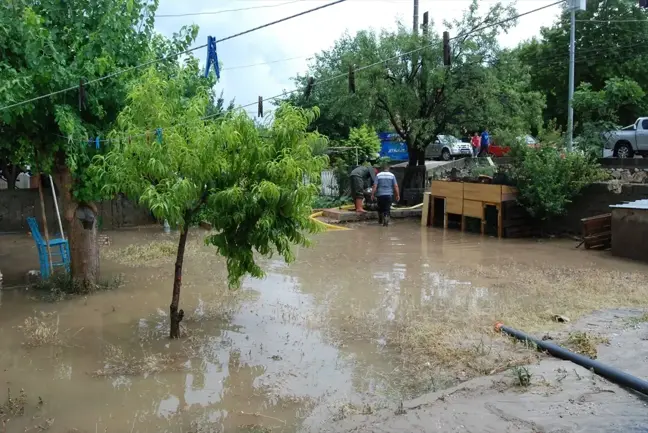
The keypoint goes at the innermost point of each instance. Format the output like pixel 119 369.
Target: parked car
pixel 446 147
pixel 628 141
pixel 496 150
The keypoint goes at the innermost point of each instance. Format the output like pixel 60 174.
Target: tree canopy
pixel 611 41
pixel 402 83
pixel 249 185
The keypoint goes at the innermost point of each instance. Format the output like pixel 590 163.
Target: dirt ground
pixel 562 397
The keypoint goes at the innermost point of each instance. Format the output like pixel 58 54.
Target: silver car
pixel 446 147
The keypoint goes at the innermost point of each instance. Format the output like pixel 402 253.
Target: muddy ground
pixel 365 321
pixel 561 397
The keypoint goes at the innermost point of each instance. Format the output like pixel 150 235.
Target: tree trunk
pixel 175 314
pixel 10 173
pixel 84 248
pixel 415 157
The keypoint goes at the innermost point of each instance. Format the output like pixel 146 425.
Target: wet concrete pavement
pixel 287 353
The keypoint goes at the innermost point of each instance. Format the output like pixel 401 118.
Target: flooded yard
pixel 361 321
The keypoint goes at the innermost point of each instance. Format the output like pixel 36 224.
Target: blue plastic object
pixel 212 57
pixel 392 147
pixel 59 247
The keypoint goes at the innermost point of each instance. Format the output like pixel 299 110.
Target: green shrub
pixel 549 178
pixel 324 202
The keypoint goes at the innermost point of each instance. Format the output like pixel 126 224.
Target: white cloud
pixel 303 36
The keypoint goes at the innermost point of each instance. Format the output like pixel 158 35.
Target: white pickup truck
pixel 629 141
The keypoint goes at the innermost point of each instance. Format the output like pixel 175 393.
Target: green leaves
pixel 252 188
pixel 548 178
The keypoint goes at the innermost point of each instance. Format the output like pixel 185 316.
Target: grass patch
pixel 60 286
pixel 521 376
pixel 638 320
pixel 13 406
pixel 584 343
pixel 119 363
pixel 137 254
pixel 41 330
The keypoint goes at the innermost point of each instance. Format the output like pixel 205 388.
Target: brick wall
pixel 17 205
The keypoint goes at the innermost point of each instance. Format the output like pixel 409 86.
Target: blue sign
pixel 392 146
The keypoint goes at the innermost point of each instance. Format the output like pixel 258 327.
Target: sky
pixel 256 64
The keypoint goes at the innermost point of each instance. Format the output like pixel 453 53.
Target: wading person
pixel 362 177
pixel 385 189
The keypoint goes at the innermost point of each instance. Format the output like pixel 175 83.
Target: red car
pixel 498 151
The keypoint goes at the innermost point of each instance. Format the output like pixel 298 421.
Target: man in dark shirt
pixel 361 178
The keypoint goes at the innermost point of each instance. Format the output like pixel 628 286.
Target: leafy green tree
pixel 416 94
pixel 48 45
pixel 601 111
pixel 604 50
pixel 249 186
pixel 365 140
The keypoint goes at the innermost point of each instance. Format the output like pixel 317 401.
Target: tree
pixel 417 94
pixel 604 50
pixel 249 186
pixel 46 46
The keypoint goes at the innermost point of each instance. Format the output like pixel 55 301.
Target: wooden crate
pixel 597 231
pixel 470 200
pixel 443 188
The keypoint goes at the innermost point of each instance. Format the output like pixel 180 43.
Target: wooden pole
pixel 44 218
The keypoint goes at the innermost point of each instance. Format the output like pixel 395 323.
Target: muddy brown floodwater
pixel 361 321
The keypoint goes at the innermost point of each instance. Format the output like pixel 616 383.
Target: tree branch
pixel 382 103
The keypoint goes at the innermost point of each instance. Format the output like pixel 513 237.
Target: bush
pixel 324 202
pixel 548 178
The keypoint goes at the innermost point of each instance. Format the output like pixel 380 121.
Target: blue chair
pixel 60 250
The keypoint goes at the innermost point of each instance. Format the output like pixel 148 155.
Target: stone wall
pixel 17 205
pixel 596 200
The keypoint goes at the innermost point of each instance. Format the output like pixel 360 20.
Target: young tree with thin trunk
pixel 249 185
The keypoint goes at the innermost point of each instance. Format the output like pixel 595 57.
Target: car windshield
pixel 447 139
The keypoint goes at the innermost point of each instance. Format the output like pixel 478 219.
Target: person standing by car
pixel 485 141
pixel 361 178
pixel 475 141
pixel 385 188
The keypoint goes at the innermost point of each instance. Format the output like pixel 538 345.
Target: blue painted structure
pixel 59 248
pixel 392 146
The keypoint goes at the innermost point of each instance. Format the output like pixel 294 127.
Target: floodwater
pixel 285 353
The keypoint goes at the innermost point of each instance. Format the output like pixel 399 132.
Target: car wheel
pixel 445 155
pixel 623 150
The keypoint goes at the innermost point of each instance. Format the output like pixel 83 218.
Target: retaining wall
pixel 595 200
pixel 17 205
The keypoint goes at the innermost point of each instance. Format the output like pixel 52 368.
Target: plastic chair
pixel 59 247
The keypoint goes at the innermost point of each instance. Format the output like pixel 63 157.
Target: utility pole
pixel 416 16
pixel 573 5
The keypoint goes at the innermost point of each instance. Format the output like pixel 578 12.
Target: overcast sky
pixel 299 38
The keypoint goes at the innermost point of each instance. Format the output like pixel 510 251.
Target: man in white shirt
pixel 385 188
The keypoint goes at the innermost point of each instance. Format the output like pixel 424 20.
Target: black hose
pixel 612 374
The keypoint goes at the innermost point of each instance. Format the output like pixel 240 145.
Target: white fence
pixel 329 183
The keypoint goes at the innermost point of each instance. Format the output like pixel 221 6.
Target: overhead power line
pixel 345 74
pixel 173 55
pixel 462 35
pixel 190 14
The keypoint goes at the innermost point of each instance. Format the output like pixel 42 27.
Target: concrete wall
pixel 16 206
pixel 630 233
pixel 595 200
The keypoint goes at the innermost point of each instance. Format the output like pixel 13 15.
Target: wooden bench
pixel 597 232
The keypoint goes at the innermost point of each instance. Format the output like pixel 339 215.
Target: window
pixel 644 124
